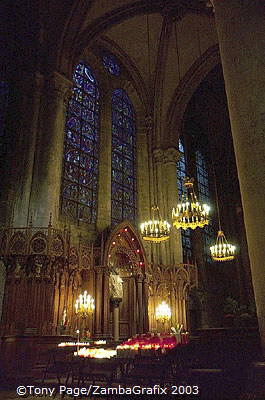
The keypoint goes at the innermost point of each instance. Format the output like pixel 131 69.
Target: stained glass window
pixel 123 185
pixel 181 174
pixel 204 197
pixel 111 64
pixel 81 151
pixel 202 177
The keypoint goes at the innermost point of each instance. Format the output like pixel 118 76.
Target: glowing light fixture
pixel 163 312
pixel 190 213
pixel 84 305
pixel 222 250
pixel 156 230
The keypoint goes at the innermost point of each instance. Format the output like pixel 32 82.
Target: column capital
pixel 167 156
pixel 115 301
pixel 59 85
pixel 145 123
pixel 140 278
pixel 158 155
pixel 171 155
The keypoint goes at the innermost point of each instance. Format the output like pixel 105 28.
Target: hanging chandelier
pixel 222 250
pixel 190 213
pixel 163 312
pixel 84 305
pixel 156 230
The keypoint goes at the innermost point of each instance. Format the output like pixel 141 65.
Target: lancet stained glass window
pixel 204 197
pixel 123 185
pixel 181 174
pixel 81 151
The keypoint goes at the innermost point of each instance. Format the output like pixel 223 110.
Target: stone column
pixel 106 305
pixel 171 156
pixel 241 32
pixel 143 175
pixel 49 158
pixel 160 251
pixel 116 318
pixel 31 89
pixel 145 305
pixel 140 302
pixel 104 179
pixel 99 295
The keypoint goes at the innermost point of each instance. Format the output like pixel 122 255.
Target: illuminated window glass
pixel 181 169
pixel 202 177
pixel 111 64
pixel 181 174
pixel 123 184
pixel 81 150
pixel 204 197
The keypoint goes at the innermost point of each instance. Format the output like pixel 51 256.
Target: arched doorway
pixel 125 258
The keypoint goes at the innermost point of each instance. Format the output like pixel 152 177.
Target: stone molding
pixel 59 86
pixel 171 155
pixel 158 155
pixel 115 301
pixel 167 156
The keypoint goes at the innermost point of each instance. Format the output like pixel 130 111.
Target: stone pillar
pixel 104 179
pixel 145 305
pixel 31 89
pixel 106 305
pixel 116 318
pixel 160 251
pixel 143 175
pixel 140 303
pixel 99 296
pixel 171 156
pixel 49 158
pixel 241 32
pixel 2 285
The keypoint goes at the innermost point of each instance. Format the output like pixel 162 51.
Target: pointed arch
pixel 184 92
pixel 124 240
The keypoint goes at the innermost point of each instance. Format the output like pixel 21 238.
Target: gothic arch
pixel 124 240
pixel 130 77
pixel 184 92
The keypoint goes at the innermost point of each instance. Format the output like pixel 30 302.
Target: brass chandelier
pixel 163 312
pixel 222 250
pixel 84 305
pixel 155 230
pixel 190 213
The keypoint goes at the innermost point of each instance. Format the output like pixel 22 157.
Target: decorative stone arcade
pixel 46 271
pixel 125 259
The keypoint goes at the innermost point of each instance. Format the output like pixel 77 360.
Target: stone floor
pixel 254 389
